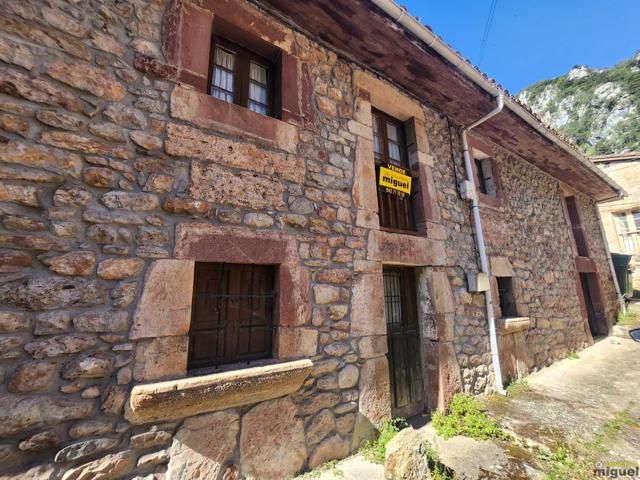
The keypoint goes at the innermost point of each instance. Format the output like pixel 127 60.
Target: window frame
pixel 384 158
pixel 578 232
pixel 229 328
pixel 241 73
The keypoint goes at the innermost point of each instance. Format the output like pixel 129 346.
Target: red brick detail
pixel 289 99
pixel 248 20
pixel 195 43
pixel 171 32
pixel 152 66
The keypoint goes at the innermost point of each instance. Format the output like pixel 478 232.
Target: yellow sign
pixel 395 179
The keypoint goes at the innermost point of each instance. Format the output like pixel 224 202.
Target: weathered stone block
pixel 111 466
pixel 32 377
pixel 367 307
pixel 119 268
pixel 202 445
pixel 73 263
pixel 87 77
pixel 272 443
pixel 48 158
pixel 14 322
pixel 98 365
pixel 19 413
pixel 60 345
pixel 167 295
pixel 217 184
pixel 163 357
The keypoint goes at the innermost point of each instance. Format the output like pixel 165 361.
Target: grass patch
pixel 465 417
pixel 436 467
pixel 576 461
pixel 517 388
pixel 573 355
pixel 627 318
pixel 374 451
pixel 330 466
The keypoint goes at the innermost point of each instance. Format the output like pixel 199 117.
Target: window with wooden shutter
pixel 389 146
pixel 485 179
pixel 232 315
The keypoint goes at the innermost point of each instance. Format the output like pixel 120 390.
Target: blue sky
pixel 533 40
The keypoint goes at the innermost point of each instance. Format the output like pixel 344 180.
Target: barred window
pixel 242 77
pixel 232 315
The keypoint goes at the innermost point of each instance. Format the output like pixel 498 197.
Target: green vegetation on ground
pixel 627 318
pixel 465 417
pixel 576 461
pixel 375 450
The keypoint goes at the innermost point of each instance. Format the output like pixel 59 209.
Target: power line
pixel 487 29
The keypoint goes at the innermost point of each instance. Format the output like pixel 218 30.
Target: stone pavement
pixel 574 398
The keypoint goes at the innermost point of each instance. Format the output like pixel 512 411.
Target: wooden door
pixel 403 338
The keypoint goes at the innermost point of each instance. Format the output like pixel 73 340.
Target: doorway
pixel 593 304
pixel 403 339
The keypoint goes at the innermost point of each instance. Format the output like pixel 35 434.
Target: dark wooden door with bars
pixel 403 338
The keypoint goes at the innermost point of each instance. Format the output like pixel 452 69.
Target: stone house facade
pixel 621 218
pixel 200 273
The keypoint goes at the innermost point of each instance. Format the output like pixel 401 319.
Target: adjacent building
pixel 237 236
pixel 621 218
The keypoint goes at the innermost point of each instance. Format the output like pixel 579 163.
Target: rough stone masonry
pixel 118 174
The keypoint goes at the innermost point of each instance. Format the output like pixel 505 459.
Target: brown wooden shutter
pixel 232 318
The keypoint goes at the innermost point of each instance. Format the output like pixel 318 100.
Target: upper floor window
pixel 389 147
pixel 232 314
pixel 242 77
pixel 576 226
pixel 485 179
pixel 628 226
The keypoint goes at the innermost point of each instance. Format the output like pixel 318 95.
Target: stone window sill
pixel 184 397
pixel 208 112
pixel 508 325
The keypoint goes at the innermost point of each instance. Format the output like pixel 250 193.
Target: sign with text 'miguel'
pixel 394 180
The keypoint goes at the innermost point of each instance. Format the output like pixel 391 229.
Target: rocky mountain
pixel 598 109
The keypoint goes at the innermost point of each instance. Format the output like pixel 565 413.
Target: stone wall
pixel 117 175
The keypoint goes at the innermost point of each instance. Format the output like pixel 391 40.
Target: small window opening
pixel 485 179
pixel 232 316
pixel 507 297
pixel 242 77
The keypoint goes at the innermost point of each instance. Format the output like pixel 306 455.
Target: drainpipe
pixel 623 307
pixel 484 266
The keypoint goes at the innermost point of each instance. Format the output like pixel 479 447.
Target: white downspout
pixel 623 307
pixel 484 264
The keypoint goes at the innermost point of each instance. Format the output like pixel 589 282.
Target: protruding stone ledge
pixel 208 393
pixel 508 325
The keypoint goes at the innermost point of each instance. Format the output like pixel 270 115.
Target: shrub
pixel 465 417
pixel 375 451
